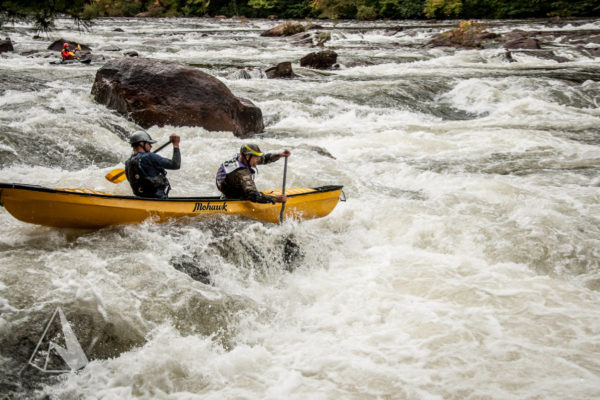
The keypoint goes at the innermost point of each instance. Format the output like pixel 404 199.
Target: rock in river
pixel 156 92
pixel 6 45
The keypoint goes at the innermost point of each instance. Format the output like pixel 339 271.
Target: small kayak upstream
pixel 71 62
pixel 90 209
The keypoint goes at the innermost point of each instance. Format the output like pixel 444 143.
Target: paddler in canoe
pixel 235 177
pixel 146 171
pixel 67 53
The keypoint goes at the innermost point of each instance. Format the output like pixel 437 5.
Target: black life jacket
pixel 142 184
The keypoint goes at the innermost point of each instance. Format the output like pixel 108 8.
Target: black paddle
pixel 283 189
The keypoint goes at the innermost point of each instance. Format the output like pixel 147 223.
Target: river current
pixel 463 265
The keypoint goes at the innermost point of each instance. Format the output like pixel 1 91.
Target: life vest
pixel 67 55
pixel 228 167
pixel 142 184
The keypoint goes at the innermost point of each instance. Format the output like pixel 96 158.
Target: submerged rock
pixel 281 70
pixel 157 92
pixel 319 60
pixel 110 47
pixel 302 38
pixel 6 46
pixel 193 268
pixel 508 57
pixel 524 43
pixel 286 29
pixel 242 74
pixel 319 150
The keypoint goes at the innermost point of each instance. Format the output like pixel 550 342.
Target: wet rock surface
pixel 155 92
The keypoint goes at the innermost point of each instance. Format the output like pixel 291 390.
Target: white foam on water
pixel 464 263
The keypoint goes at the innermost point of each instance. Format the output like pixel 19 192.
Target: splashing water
pixel 463 265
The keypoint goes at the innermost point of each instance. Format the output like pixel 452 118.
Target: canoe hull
pixel 87 209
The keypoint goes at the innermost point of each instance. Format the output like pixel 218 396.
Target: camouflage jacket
pixel 236 180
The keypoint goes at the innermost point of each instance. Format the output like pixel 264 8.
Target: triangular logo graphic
pixel 58 347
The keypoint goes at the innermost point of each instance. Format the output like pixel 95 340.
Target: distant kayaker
pixel 146 170
pixel 235 178
pixel 66 52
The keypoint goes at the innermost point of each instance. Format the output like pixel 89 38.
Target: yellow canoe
pixel 90 209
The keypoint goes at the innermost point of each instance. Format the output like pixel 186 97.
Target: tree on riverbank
pixel 43 12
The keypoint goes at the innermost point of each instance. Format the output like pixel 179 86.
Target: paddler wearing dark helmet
pixel 235 177
pixel 145 170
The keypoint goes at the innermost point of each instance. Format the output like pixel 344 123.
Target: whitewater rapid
pixel 463 265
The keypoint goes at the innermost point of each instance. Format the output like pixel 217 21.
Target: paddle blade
pixel 116 175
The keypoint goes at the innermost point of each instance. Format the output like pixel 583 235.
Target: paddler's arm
pixel 244 179
pixel 272 157
pixel 175 161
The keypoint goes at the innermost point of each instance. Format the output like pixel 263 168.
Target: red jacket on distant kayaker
pixel 66 52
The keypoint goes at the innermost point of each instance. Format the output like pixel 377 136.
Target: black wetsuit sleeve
pixel 174 163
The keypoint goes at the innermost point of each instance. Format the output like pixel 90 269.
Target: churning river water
pixel 463 265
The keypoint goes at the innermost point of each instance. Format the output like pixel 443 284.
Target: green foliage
pixel 43 12
pixel 335 9
pixel 193 8
pixel 290 28
pixel 409 9
pixel 268 4
pixel 112 8
pixel 446 8
pixel 466 31
pixel 366 13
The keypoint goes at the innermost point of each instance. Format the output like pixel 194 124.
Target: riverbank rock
pixel 6 45
pixel 302 38
pixel 281 70
pixel 286 29
pixel 460 41
pixel 156 92
pixel 522 43
pixel 520 39
pixel 319 60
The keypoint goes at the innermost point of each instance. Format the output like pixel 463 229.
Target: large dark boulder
pixel 57 45
pixel 157 92
pixel 319 60
pixel 6 45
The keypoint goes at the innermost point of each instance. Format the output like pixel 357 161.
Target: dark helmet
pixel 65 45
pixel 140 136
pixel 251 150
